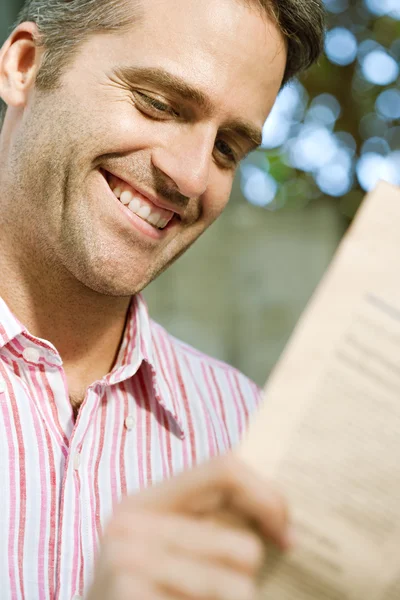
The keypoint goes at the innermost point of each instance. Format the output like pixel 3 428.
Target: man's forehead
pixel 222 44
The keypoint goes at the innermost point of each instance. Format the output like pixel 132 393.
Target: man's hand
pixel 169 542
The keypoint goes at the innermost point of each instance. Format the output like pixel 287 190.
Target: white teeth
pixel 126 197
pixel 141 210
pixel 118 192
pixel 134 205
pixel 163 223
pixel 154 218
pixel 144 212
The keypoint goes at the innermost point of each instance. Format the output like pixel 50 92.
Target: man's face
pixel 161 114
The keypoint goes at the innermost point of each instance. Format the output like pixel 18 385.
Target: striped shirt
pixel 163 408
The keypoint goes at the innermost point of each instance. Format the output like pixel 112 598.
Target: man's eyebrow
pixel 166 80
pixel 246 130
pixel 176 85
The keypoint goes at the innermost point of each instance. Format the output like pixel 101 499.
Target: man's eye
pixel 227 152
pixel 155 106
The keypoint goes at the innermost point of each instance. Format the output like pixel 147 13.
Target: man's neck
pixel 85 327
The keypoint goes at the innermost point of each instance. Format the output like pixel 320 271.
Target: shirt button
pixel 31 354
pixel 130 422
pixel 2 386
pixel 77 461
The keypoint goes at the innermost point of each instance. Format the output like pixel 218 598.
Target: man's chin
pixel 111 285
pixel 116 289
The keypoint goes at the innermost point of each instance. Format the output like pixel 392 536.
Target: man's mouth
pixel 138 204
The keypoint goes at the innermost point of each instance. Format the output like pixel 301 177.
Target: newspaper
pixel 328 431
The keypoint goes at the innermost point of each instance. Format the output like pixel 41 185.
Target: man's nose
pixel 187 161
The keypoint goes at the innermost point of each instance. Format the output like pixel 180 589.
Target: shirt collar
pixel 10 327
pixel 137 347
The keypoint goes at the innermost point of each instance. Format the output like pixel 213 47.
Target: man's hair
pixel 65 24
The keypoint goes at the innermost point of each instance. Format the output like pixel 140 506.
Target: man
pixel 125 122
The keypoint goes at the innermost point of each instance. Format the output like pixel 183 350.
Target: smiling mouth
pixel 138 204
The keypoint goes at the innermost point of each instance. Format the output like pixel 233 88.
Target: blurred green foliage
pixel 338 132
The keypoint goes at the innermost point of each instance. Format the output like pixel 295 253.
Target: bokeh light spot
pixel 372 167
pixel 388 104
pixel 314 147
pixel 334 179
pixel 336 6
pixel 379 67
pixel 288 109
pixel 324 109
pixel 376 145
pixel 380 8
pixel 258 187
pixel 341 46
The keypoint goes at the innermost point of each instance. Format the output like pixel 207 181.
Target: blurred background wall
pixel 238 293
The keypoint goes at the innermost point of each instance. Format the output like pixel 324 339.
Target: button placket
pixel 3 386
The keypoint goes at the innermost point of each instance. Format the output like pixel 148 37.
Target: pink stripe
pixel 53 513
pixel 245 408
pixel 163 431
pixel 12 487
pixel 122 471
pixel 16 352
pixel 237 403
pixel 147 412
pixel 36 341
pixel 214 392
pixel 82 567
pixel 186 403
pixel 165 352
pixel 165 375
pixel 168 446
pixel 97 465
pixel 93 419
pixel 118 428
pixel 212 444
pixel 75 559
pixel 248 407
pixel 22 487
pixel 162 435
pixel 3 332
pixel 54 410
pixel 139 432
pixel 257 392
pixel 43 405
pixel 43 506
pixel 61 524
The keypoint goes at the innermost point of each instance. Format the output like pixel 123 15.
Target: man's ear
pixel 19 63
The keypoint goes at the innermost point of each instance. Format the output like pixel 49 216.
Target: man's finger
pixel 201 539
pixel 224 484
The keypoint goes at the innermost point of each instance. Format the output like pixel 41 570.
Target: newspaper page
pixel 328 431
